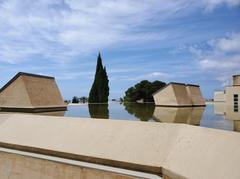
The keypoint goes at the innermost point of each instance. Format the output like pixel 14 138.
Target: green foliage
pixel 143 90
pixel 75 99
pixel 144 112
pixel 98 111
pixel 83 99
pixel 100 89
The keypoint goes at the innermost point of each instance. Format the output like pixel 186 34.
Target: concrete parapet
pixel 169 150
pixel 14 166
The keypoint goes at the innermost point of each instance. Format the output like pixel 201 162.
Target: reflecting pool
pixel 216 115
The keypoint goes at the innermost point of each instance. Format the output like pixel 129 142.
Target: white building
pixel 230 95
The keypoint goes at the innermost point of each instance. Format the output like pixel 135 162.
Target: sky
pixel 184 41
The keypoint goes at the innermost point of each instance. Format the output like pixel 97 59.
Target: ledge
pixel 32 109
pixel 173 150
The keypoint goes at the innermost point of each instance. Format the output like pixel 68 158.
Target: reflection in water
pixel 187 115
pixel 98 111
pixel 217 116
pixel 144 112
pixel 229 113
pixel 53 113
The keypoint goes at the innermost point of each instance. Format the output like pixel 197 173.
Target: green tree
pixel 75 99
pixel 143 90
pixel 100 89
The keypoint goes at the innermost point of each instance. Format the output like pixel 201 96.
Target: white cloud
pixel 220 64
pixel 211 4
pixel 150 76
pixel 63 29
pixel 228 44
pixel 222 58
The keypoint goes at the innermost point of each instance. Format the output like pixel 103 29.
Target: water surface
pixel 213 116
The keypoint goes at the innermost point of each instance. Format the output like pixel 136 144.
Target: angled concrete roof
pixel 179 95
pixel 27 91
pixel 177 83
pixel 23 74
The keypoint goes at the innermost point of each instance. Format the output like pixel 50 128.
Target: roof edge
pixel 174 83
pixel 161 89
pixel 33 75
pixel 192 85
pixel 23 74
pixel 236 75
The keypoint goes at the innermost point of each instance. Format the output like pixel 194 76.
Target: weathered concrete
pixel 29 92
pixel 195 95
pixel 230 91
pixel 219 96
pixel 177 151
pixel 14 166
pixel 179 95
pixel 174 94
pixel 236 80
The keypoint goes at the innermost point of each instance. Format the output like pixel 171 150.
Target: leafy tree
pixel 75 99
pixel 143 90
pixel 83 99
pixel 100 89
pixel 98 111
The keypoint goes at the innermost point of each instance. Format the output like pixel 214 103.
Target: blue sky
pixel 176 40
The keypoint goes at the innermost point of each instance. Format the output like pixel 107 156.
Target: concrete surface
pixel 29 91
pixel 195 95
pixel 179 95
pixel 18 164
pixel 171 150
pixel 219 96
pixel 14 166
pixel 236 80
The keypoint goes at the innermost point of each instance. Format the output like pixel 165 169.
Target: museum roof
pixel 23 74
pixel 174 83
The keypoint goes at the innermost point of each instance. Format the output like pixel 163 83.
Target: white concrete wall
pixel 165 96
pixel 219 96
pixel 178 151
pixel 230 91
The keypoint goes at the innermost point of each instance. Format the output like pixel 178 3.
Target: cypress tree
pixel 100 90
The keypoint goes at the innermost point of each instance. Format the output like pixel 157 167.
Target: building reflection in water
pixel 229 112
pixel 186 115
pixel 53 113
pixel 146 112
pixel 98 111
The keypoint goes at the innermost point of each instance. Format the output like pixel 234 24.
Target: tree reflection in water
pixel 144 112
pixel 98 111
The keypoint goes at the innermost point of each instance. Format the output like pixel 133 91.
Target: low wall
pixel 172 150
pixel 14 166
